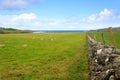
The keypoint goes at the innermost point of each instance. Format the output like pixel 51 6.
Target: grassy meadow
pixel 43 56
pixel 107 37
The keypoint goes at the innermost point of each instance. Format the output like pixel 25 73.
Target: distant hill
pixel 116 29
pixel 11 30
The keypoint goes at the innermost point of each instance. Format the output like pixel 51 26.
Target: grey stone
pixel 104 61
pixel 117 74
pixel 118 51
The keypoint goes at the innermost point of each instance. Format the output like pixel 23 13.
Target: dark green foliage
pixel 11 30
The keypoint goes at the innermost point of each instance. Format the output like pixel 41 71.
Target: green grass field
pixel 107 37
pixel 44 56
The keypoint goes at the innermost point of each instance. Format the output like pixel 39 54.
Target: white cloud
pixel 102 19
pixel 92 17
pixel 25 17
pixel 16 4
pixel 18 20
pixel 103 15
pixel 27 21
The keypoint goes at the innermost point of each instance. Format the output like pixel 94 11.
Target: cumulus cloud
pixel 103 15
pixel 32 21
pixel 104 18
pixel 16 4
pixel 27 21
pixel 25 17
pixel 18 20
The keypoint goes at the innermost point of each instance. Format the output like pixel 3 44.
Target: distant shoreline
pixel 56 31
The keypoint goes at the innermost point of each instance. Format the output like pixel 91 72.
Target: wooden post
pixel 103 39
pixel 112 36
pixel 94 36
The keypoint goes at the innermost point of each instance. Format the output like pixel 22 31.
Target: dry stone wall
pixel 104 61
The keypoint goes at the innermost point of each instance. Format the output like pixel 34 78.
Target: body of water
pixel 44 31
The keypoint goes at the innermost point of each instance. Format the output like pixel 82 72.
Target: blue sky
pixel 59 14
